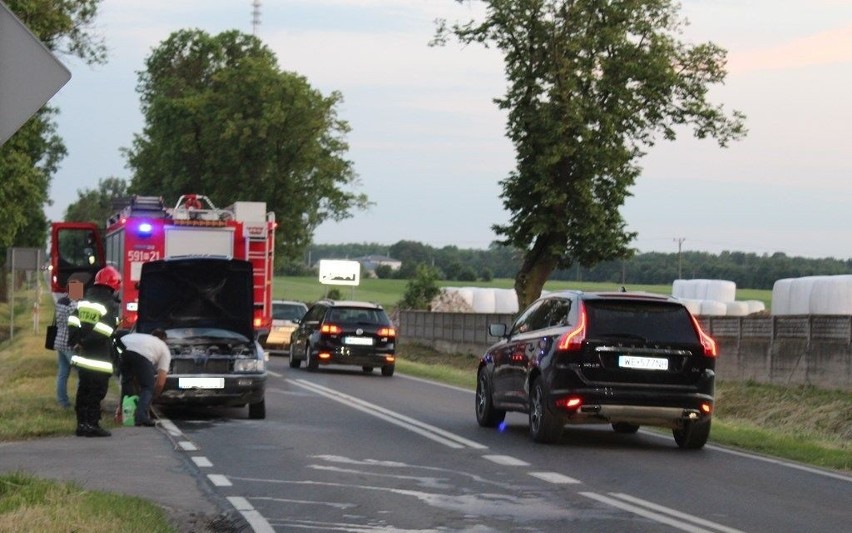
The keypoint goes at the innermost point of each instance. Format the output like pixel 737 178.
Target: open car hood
pixel 195 293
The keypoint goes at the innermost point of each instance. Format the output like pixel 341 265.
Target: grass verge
pixel 799 423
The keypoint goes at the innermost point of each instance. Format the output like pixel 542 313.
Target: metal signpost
pixel 26 259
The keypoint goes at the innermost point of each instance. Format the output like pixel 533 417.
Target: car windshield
pixel 292 312
pixel 648 321
pixel 356 315
pixel 192 334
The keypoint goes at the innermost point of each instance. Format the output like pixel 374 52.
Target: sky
pixel 428 143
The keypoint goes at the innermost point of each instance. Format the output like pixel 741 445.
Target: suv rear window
pixel 357 315
pixel 649 321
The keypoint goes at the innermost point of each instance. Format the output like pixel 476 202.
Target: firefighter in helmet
pixel 90 330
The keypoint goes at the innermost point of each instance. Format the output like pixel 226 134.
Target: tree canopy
pixel 96 205
pixel 221 119
pixel 591 85
pixel 32 155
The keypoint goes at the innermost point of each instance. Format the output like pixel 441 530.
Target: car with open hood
pixel 205 305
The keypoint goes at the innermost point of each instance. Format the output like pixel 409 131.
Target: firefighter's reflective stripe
pixel 85 305
pixel 103 329
pixel 74 321
pixel 91 364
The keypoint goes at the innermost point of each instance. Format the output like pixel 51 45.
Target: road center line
pixel 434 433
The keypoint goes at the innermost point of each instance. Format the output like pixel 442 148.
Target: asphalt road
pixel 345 451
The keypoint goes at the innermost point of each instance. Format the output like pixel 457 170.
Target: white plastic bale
pixel 755 306
pixel 466 294
pixel 505 301
pixel 800 295
pixel 720 290
pixel 483 300
pixel 736 308
pixel 713 308
pixel 781 296
pixel 681 288
pixel 831 295
pixel 694 306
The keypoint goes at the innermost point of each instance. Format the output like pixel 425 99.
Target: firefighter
pixel 90 330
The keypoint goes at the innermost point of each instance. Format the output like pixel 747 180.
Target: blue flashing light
pixel 145 229
pixel 502 427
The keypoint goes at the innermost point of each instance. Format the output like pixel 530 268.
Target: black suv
pixel 627 359
pixel 345 333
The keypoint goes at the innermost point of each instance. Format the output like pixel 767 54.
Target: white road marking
pixel 658 513
pixel 255 520
pixel 555 478
pixel 202 462
pixel 219 480
pixel 434 433
pixel 505 460
pixel 436 383
pixel 187 446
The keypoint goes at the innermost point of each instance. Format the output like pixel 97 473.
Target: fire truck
pixel 144 229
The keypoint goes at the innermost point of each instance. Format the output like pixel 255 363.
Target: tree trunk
pixel 534 272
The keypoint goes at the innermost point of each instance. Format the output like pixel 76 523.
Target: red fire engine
pixel 145 230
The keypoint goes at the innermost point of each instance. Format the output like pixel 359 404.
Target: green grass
pixel 388 292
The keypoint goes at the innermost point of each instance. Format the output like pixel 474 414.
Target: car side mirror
pixel 497 330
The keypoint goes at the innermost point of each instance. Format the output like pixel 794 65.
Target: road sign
pixel 29 74
pixel 335 272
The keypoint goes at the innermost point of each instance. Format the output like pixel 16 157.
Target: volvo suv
pixel 625 359
pixel 345 333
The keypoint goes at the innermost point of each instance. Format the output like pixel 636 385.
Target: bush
pixel 420 290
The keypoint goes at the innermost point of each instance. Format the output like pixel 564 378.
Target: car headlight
pixel 249 365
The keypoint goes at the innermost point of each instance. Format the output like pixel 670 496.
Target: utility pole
pixel 679 242
pixel 255 16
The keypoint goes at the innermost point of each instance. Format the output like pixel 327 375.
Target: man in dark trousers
pixel 145 359
pixel 90 329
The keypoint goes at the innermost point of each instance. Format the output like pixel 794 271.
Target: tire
pixel 257 411
pixel 544 425
pixel 367 369
pixel 693 435
pixel 625 427
pixel 294 363
pixel 310 362
pixel 486 415
pixel 387 370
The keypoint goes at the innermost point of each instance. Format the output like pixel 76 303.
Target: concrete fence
pixel 782 350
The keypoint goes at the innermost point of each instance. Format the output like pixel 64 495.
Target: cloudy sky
pixel 428 143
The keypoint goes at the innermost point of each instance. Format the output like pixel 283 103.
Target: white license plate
pixel 201 383
pixel 643 363
pixel 360 341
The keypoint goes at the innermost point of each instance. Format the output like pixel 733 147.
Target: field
pixel 389 291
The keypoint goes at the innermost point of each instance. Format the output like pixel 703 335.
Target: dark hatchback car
pixel 206 307
pixel 625 359
pixel 345 333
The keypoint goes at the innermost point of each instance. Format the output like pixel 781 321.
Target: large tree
pixel 96 205
pixel 31 156
pixel 222 119
pixel 592 84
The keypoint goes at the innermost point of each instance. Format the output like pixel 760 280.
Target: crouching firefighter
pixel 90 330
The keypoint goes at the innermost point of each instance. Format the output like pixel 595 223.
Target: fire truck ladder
pixel 260 252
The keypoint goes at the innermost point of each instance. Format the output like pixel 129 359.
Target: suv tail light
pixel 386 332
pixel 330 329
pixel 572 341
pixel 706 340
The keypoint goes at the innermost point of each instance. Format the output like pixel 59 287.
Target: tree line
pixel 747 270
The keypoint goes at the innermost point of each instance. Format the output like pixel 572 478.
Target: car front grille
pixel 200 366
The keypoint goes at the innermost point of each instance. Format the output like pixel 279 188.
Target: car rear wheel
pixel 693 435
pixel 257 411
pixel 625 427
pixel 311 362
pixel 367 369
pixel 544 425
pixel 294 363
pixel 387 370
pixel 486 415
